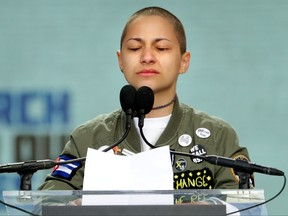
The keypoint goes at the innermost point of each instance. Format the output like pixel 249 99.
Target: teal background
pixel 238 70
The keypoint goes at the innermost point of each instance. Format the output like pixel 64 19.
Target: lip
pixel 148 72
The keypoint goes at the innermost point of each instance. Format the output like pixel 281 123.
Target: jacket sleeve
pixel 227 143
pixel 66 177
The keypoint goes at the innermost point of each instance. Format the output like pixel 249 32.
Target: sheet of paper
pixel 149 170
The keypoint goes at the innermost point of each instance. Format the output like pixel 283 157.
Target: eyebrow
pixel 155 40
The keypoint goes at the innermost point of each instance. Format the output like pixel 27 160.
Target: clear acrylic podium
pixel 172 202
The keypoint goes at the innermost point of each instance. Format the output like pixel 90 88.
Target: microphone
pixel 32 165
pixel 28 168
pixel 127 101
pixel 238 165
pixel 144 103
pixel 241 165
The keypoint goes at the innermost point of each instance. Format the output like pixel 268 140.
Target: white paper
pixel 149 170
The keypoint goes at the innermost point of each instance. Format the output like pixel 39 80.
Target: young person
pixel 153 53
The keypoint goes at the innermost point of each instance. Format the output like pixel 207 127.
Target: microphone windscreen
pixel 128 97
pixel 145 99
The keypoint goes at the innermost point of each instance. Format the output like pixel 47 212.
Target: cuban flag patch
pixel 66 171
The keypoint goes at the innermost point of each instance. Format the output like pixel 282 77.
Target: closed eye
pixel 162 49
pixel 134 49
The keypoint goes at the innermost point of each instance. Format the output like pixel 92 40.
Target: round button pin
pixel 185 140
pixel 203 133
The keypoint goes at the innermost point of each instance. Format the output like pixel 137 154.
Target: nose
pixel 147 56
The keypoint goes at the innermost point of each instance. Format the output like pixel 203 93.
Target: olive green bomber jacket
pixel 188 131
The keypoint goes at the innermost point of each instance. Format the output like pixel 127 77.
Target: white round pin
pixel 185 140
pixel 203 133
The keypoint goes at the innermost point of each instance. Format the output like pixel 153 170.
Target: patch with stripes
pixel 66 171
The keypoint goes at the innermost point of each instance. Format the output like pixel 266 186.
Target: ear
pixel 185 62
pixel 119 59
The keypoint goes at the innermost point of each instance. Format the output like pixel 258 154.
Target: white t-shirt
pixel 152 130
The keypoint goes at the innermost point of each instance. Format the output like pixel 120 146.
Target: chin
pixel 137 86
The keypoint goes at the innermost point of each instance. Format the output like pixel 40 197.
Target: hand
pixel 77 202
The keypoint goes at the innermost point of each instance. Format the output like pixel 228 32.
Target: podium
pixel 171 202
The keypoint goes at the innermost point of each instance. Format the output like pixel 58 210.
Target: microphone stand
pixel 25 179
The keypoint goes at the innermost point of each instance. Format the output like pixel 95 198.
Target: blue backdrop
pixel 58 68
